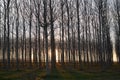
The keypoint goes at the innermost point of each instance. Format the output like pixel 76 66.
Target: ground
pixel 59 74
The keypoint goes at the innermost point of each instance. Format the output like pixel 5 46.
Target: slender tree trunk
pixel 23 48
pixel 78 29
pixel 43 48
pixel 30 41
pixel 46 49
pixel 52 38
pixel 0 34
pixel 118 33
pixel 39 37
pixel 100 33
pixel 17 26
pixel 39 43
pixel 12 44
pixel 62 55
pixel 68 25
pixel 8 34
pixel 46 36
pixel 4 43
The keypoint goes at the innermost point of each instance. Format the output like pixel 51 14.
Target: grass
pixel 67 74
pixel 17 75
pixel 59 74
pixel 81 76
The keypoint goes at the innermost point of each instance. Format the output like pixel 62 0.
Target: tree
pixel 62 15
pixel 46 35
pixel 78 30
pixel 30 26
pixel 17 27
pixel 68 26
pixel 52 37
pixel 117 8
pixel 8 32
pixel 4 41
pixel 0 24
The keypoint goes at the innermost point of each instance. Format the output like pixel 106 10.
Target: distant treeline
pixel 82 31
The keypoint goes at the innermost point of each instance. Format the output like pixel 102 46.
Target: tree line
pixel 31 31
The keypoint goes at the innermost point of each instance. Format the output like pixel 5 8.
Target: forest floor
pixel 58 74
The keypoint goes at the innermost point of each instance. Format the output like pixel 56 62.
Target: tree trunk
pixel 62 55
pixel 8 35
pixel 52 38
pixel 4 43
pixel 78 29
pixel 46 36
pixel 30 41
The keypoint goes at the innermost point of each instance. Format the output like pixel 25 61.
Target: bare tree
pixel 78 30
pixel 62 24
pixel 4 43
pixel 8 32
pixel 46 35
pixel 17 36
pixel 117 8
pixel 52 37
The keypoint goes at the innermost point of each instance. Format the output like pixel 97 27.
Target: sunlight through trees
pixel 46 33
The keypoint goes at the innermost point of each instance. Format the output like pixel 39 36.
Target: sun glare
pixel 56 55
pixel 114 56
pixel 32 57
